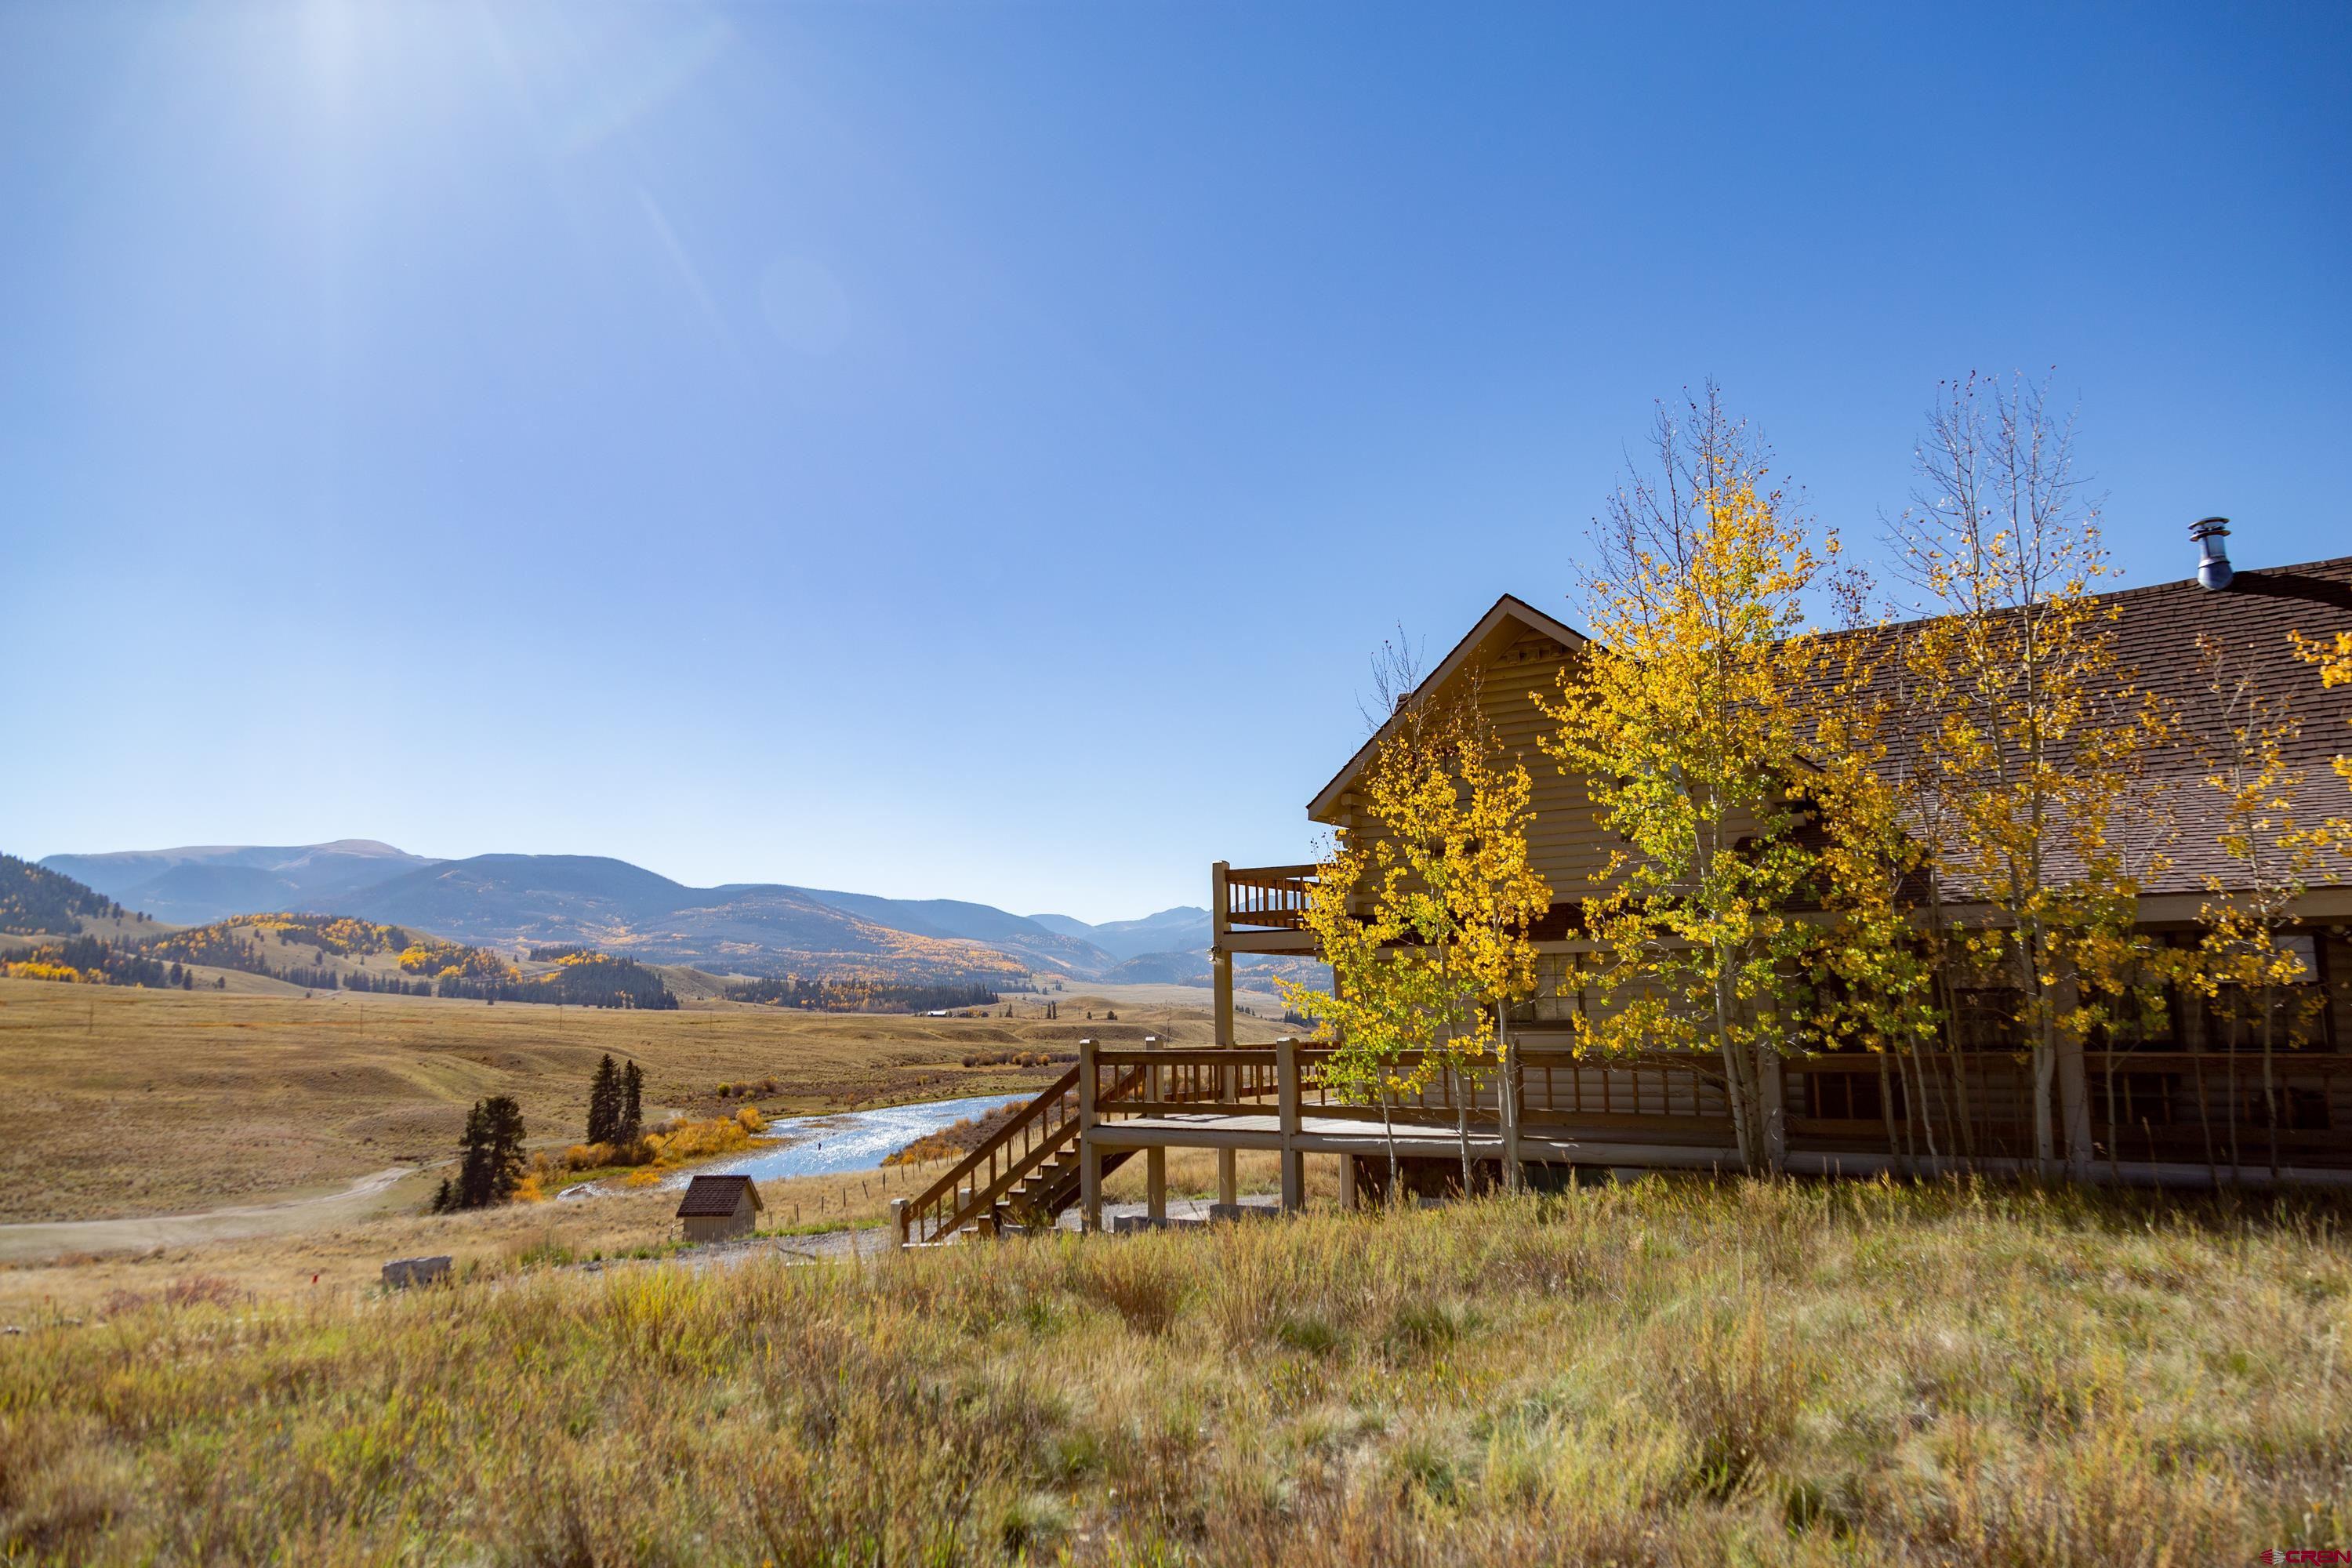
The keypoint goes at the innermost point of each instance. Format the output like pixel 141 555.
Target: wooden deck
pixel 1350 1135
pixel 1573 1116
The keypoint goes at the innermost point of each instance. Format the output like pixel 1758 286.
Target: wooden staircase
pixel 1022 1178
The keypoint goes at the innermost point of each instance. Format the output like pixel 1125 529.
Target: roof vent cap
pixel 2214 566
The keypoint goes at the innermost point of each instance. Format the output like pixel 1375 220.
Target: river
pixel 848 1139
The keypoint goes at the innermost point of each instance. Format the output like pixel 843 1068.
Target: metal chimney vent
pixel 2214 566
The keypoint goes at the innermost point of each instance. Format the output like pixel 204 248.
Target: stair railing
pixel 979 1181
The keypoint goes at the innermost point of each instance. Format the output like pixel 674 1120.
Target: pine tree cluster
pixel 616 1103
pixel 490 1165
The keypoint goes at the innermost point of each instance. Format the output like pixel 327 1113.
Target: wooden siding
pixel 1567 845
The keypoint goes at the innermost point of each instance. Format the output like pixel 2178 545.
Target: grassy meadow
pixel 1675 1371
pixel 117 1101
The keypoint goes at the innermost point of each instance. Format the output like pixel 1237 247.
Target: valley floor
pixel 117 1103
pixel 281 1145
pixel 1678 1370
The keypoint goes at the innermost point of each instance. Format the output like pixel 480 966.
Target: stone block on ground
pixel 402 1272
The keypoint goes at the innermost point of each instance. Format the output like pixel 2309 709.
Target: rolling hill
pixel 1184 929
pixel 192 885
pixel 520 900
pixel 1067 951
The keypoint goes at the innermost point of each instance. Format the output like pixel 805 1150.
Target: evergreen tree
pixel 633 1120
pixel 492 1162
pixel 604 1102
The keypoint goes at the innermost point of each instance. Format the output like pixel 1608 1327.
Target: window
pixel 1984 1018
pixel 1848 1097
pixel 2289 1017
pixel 2136 1098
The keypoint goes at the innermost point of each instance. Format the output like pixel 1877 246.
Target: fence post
pixel 1089 1157
pixel 898 1218
pixel 1155 1160
pixel 1294 1167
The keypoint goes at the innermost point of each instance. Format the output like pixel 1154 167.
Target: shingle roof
pixel 709 1198
pixel 2157 630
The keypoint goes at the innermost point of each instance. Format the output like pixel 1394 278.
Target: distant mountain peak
pixel 504 898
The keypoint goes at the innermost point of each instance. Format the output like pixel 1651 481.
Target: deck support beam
pixel 1348 1182
pixel 1089 1153
pixel 1155 1160
pixel 1221 975
pixel 1229 1176
pixel 1293 1163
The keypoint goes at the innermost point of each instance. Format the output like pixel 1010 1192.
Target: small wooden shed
pixel 717 1207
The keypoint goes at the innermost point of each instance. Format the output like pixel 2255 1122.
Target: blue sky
pixel 970 450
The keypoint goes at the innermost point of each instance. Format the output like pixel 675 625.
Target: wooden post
pixel 1221 975
pixel 1089 1157
pixel 899 1219
pixel 1155 1160
pixel 1346 1180
pixel 1229 1184
pixel 1294 1168
pixel 1221 958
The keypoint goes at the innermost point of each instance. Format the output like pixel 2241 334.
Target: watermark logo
pixel 2336 1555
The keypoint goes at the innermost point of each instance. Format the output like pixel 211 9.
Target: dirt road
pixel 37 1241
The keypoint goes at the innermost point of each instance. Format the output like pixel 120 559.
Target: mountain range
pixel 509 901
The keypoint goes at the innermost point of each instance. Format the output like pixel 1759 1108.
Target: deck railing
pixel 1555 1085
pixel 2199 1107
pixel 1269 896
pixel 1235 1081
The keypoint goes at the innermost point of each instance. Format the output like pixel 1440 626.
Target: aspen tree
pixel 2031 727
pixel 1874 968
pixel 2335 662
pixel 1493 895
pixel 1683 719
pixel 1382 939
pixel 1423 915
pixel 2251 910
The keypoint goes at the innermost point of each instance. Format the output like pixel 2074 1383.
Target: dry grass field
pixel 116 1101
pixel 1675 1372
pixel 318 1254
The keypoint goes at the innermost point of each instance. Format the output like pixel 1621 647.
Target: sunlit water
pixel 846 1140
pixel 850 1141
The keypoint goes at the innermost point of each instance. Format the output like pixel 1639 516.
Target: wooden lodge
pixel 2154 1113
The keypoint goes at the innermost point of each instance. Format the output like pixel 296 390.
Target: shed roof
pixel 709 1198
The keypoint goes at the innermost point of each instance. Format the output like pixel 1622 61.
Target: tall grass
pixel 1673 1371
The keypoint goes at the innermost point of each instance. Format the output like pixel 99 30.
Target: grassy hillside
pixel 36 901
pixel 1672 1372
pixel 197 883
